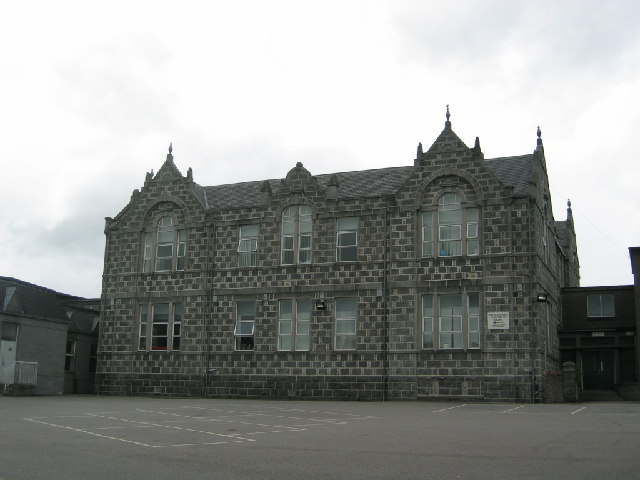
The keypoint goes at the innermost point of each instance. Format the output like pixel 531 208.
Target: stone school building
pixel 440 279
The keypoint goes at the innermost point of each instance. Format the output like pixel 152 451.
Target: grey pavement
pixel 88 437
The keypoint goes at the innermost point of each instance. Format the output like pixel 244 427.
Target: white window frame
pixel 346 323
pixel 442 237
pixel 244 330
pixel 294 320
pixel 248 245
pixel 297 235
pixel 165 247
pixel 152 328
pixel 347 239
pixel 450 325
pixel 598 308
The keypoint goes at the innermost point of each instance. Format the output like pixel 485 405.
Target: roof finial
pixel 448 114
pixel 447 124
pixel 569 210
pixel 170 148
pixel 539 141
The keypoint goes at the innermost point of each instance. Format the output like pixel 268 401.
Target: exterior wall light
pixel 542 297
pixel 320 303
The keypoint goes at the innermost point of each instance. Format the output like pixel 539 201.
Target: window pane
pixel 450 217
pixel 287 243
pixel 450 232
pixel 302 327
pixel 165 250
pixel 472 215
pixel 287 257
pixel 246 310
pixel 473 247
pixel 302 343
pixel 472 230
pixel 607 306
pixel 346 239
pixel 165 236
pixel 159 329
pixel 305 256
pixel 304 309
pixel 346 307
pixel 346 342
pixel 249 231
pixel 286 309
pixel 427 305
pixel 348 223
pixel 474 304
pixel 450 249
pixel 345 326
pixel 347 254
pixel 285 327
pixel 305 241
pixel 284 342
pixel 177 312
pixel 161 312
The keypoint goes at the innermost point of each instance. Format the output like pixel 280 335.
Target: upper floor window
pixel 296 234
pixel 165 249
pixel 347 241
pixel 451 321
pixel 293 324
pixel 451 230
pixel 160 326
pixel 600 306
pixel 248 246
pixel 245 325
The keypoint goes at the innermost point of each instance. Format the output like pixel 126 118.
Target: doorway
pixel 598 369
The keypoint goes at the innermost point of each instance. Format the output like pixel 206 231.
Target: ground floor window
pixel 245 325
pixel 70 356
pixel 346 320
pixel 160 326
pixel 451 321
pixel 293 324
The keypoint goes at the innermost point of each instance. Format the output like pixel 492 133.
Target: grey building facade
pixel 397 283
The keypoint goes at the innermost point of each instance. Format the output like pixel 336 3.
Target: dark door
pixel 598 369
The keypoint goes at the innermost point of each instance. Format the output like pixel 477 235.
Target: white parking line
pixel 450 408
pixel 512 409
pixel 578 410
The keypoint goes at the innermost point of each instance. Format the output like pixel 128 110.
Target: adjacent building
pixel 439 279
pixel 46 340
pixel 600 334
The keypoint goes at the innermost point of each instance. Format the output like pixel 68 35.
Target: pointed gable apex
pixel 168 171
pixel 447 141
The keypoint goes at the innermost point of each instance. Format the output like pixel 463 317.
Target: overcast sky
pixel 92 93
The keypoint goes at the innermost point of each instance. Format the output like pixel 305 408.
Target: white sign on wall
pixel 498 320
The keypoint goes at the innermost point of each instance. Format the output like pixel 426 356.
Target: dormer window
pixel 165 249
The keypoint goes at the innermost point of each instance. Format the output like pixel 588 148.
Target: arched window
pixel 296 234
pixel 451 230
pixel 165 249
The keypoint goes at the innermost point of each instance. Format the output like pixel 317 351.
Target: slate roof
pixel 30 300
pixel 515 171
pixel 27 299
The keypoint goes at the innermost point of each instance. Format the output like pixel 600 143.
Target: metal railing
pixel 20 373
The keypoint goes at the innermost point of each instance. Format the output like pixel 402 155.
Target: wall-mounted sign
pixel 498 320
